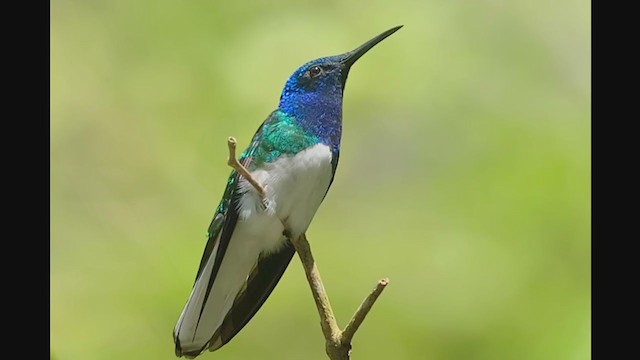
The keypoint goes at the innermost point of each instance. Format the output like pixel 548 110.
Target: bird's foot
pixel 265 203
pixel 234 163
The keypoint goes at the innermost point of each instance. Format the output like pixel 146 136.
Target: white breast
pixel 295 188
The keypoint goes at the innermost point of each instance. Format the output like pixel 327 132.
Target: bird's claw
pixel 265 203
pixel 265 200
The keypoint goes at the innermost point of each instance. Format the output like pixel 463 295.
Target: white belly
pixel 295 188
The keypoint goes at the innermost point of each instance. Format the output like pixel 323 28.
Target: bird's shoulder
pixel 279 135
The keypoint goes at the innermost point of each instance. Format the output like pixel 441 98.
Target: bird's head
pixel 320 83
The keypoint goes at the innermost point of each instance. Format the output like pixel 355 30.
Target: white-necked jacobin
pixel 294 155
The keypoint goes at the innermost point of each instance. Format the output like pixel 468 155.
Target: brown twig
pixel 363 310
pixel 338 342
pixel 327 319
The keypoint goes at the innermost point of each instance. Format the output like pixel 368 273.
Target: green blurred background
pixel 464 174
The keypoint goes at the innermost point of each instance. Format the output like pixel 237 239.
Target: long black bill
pixel 351 57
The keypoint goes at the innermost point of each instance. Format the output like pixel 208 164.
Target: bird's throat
pixel 319 115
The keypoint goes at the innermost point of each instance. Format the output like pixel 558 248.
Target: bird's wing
pixel 188 336
pixel 335 154
pixel 248 280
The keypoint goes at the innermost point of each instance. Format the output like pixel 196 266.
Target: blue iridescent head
pixel 314 91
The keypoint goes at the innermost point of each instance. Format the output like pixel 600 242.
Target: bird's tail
pixel 226 296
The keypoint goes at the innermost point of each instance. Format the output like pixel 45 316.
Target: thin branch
pixel 363 310
pixel 327 319
pixel 338 342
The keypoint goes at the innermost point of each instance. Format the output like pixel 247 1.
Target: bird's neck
pixel 316 114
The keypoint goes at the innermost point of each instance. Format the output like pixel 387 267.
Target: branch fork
pixel 338 342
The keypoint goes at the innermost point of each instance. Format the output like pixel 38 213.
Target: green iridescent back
pixel 279 135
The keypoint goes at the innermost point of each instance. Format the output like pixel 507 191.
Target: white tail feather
pixel 193 330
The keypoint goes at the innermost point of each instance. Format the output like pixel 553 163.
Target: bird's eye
pixel 314 71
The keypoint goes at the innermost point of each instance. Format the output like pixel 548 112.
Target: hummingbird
pixel 294 155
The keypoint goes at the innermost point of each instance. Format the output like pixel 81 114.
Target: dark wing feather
pixel 229 207
pixel 221 229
